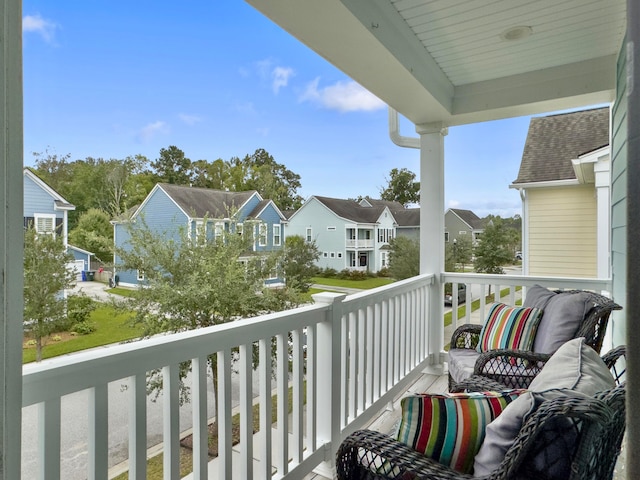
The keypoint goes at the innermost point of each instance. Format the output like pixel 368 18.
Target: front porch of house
pixel 338 365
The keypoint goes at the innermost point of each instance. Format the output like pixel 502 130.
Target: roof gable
pixel 59 201
pixel 198 202
pixel 555 140
pixel 468 217
pixel 352 210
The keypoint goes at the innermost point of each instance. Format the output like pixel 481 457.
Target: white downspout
pixel 394 132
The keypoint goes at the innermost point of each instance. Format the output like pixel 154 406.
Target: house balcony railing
pixel 333 366
pixel 359 243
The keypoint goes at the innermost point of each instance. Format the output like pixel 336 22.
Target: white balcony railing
pixel 347 356
pixel 359 243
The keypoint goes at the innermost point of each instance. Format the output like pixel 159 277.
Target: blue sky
pixel 219 80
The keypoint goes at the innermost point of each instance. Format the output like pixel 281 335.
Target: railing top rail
pixel 529 281
pixel 388 291
pixel 71 373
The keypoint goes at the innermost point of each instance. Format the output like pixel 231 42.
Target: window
pixel 462 232
pixel 262 234
pixel 385 235
pixel 446 236
pixel 332 254
pixel 383 259
pixel 352 259
pixel 309 236
pixel 218 229
pixel 140 275
pixel 200 228
pixel 325 254
pixel 276 235
pixel 239 229
pixel 339 254
pixel 331 229
pixel 45 223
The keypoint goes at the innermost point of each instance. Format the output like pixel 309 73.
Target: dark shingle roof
pixel 201 202
pixel 553 141
pixel 469 218
pixel 393 206
pixel 254 213
pixel 351 210
pixel 407 217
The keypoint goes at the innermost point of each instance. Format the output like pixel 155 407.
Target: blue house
pixel 169 208
pixel 47 211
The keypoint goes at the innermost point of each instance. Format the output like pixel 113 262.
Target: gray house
pixel 459 223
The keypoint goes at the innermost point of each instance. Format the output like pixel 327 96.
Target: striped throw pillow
pixel 450 428
pixel 509 327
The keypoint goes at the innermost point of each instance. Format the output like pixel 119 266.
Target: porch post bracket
pixel 433 127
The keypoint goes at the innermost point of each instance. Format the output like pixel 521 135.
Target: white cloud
pixel 149 131
pixel 36 24
pixel 189 119
pixel 280 77
pixel 342 96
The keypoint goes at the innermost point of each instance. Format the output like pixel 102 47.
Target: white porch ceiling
pixel 445 60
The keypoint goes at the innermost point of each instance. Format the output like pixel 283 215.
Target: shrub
pixel 384 272
pixel 327 272
pixel 84 328
pixel 79 307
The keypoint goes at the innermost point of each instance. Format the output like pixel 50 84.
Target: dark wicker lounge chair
pixel 498 365
pixel 596 425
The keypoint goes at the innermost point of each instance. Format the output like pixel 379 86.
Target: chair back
pixel 594 325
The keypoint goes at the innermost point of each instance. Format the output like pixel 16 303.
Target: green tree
pixel 404 257
pixel 493 249
pixel 172 166
pixel 197 282
pixel 298 262
pixel 259 171
pixel 45 278
pixel 462 251
pixel 401 187
pixel 94 233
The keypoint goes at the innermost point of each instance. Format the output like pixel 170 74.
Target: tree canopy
pixel 401 187
pixel 493 249
pixel 404 257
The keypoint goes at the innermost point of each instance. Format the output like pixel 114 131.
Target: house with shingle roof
pixel 349 235
pixel 407 219
pixel 564 182
pixel 460 223
pixel 169 208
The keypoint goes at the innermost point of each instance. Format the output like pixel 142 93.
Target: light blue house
pixel 47 211
pixel 349 235
pixel 169 208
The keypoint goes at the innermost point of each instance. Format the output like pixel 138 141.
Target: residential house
pixel 48 212
pixel 439 66
pixel 407 219
pixel 459 223
pixel 169 208
pixel 564 182
pixel 349 235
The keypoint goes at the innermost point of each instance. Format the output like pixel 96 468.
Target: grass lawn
pixel 111 327
pixel 365 284
pixel 123 292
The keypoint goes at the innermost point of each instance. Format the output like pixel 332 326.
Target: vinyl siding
pixel 562 231
pixel 270 216
pixel 36 200
pixel 315 215
pixel 618 200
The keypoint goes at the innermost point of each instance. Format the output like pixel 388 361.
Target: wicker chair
pixel 498 365
pixel 596 425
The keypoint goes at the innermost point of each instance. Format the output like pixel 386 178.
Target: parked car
pixel 462 293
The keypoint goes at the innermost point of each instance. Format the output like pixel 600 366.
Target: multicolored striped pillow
pixel 450 428
pixel 509 327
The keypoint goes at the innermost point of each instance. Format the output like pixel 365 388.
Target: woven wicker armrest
pixel 593 427
pixel 366 454
pixel 512 368
pixel 466 336
pixel 477 383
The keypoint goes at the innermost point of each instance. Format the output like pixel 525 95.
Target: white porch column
pixel 432 225
pixel 11 237
pixel 602 173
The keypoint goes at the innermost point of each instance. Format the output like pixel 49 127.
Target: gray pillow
pixel 562 317
pixel 575 367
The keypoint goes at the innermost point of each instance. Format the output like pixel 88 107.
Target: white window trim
pixel 140 275
pixel 45 216
pixel 309 234
pixel 277 237
pixel 262 234
pixel 218 230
